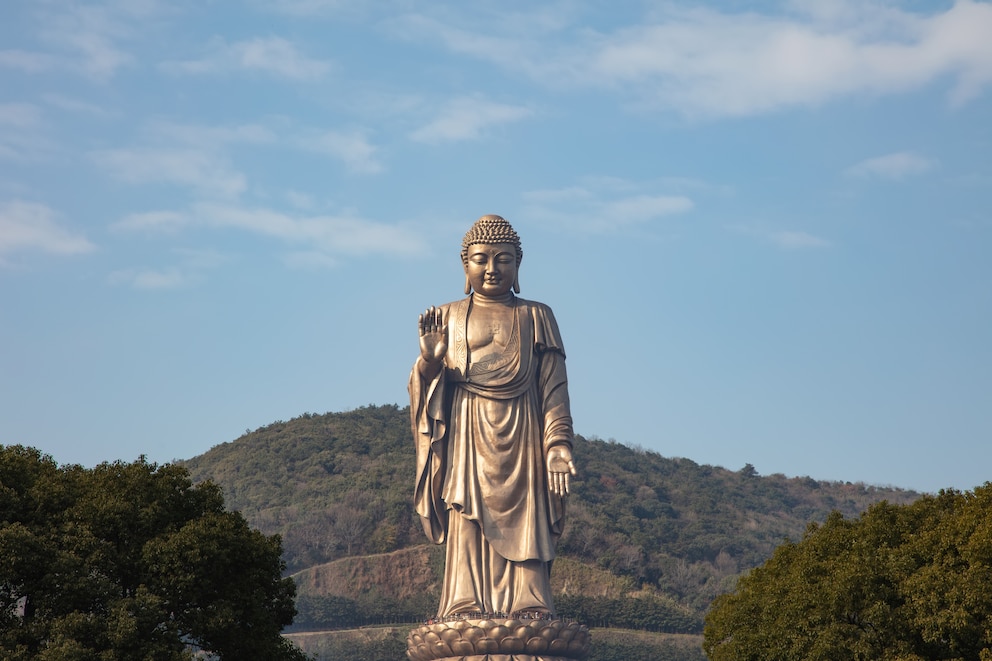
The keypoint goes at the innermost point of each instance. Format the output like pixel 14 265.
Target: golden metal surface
pixel 493 430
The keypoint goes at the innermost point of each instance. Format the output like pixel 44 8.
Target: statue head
pixel 490 231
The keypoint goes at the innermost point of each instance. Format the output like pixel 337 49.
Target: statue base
pixel 516 639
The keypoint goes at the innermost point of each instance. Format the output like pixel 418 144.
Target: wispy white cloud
pixel 19 115
pixel 468 118
pixel 194 156
pixel 329 234
pixel 537 42
pixel 27 61
pixel 308 8
pixel 153 221
pixel 22 134
pixel 895 166
pixel 310 260
pixel 784 239
pixel 99 57
pixel 351 147
pixel 797 240
pixel 208 173
pixel 714 64
pixel 189 270
pixel 300 200
pixel 603 205
pixel 208 136
pixel 707 63
pixel 271 55
pixel 172 277
pixel 89 39
pixel 640 208
pixel 73 105
pixel 313 240
pixel 199 157
pixel 33 227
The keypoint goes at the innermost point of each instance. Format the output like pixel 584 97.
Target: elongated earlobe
pixel 468 285
pixel 516 284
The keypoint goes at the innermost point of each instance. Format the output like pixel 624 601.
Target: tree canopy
pixel 131 560
pixel 898 583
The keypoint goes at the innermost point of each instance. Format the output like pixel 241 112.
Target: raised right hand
pixel 433 335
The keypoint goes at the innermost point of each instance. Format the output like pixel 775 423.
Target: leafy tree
pixel 132 561
pixel 899 583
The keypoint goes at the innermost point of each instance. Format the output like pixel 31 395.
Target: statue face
pixel 491 268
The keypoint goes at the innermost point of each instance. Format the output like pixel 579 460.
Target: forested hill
pixel 340 484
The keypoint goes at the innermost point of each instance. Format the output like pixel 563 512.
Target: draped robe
pixel 483 426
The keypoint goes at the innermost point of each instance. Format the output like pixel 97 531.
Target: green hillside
pixel 670 532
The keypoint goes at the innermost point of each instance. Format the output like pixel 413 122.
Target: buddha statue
pixel 490 416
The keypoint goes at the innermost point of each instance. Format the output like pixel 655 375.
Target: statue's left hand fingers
pixel 558 483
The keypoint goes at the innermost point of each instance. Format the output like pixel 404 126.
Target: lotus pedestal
pixel 499 640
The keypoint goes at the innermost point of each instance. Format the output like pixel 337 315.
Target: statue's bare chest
pixel 488 328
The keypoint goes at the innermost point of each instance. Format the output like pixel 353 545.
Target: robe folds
pixel 483 427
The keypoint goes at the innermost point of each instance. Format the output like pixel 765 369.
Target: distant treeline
pixel 644 614
pixel 324 612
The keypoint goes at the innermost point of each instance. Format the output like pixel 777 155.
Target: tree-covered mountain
pixel 338 487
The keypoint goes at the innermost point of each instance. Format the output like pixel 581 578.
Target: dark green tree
pixel 132 561
pixel 898 583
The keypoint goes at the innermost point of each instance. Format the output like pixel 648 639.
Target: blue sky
pixel 764 227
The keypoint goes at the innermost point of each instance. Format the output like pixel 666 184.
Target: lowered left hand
pixel 560 469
